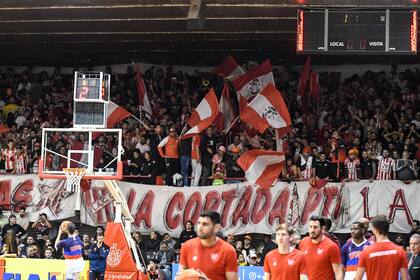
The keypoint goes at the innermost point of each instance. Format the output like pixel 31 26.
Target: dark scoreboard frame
pixel 378 31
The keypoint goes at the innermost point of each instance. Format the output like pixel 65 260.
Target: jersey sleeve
pixel 404 260
pixel 302 265
pixel 267 260
pixel 344 250
pixel 335 256
pixel 183 260
pixel 362 259
pixel 231 260
pixel 62 244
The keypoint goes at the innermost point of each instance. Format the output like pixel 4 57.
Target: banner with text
pixel 244 208
pixel 48 196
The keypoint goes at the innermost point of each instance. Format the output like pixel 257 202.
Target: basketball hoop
pixel 74 176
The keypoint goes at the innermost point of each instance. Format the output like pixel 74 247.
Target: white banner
pixel 246 209
pixel 243 207
pixel 48 196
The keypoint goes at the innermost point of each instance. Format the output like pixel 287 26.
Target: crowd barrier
pixel 36 269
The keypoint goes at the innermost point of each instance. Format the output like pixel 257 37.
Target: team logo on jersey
pixel 114 256
pixel 319 251
pixel 194 258
pixel 290 262
pixel 274 263
pixel 214 256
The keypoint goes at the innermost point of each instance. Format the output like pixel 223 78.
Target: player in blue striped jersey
pixel 351 250
pixel 72 251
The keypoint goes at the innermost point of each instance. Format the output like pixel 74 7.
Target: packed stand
pixel 364 128
pixel 158 252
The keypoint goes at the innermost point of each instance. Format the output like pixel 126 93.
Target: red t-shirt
pixel 212 261
pixel 285 266
pixel 320 257
pixel 383 260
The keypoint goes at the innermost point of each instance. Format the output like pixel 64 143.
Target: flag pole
pixel 183 129
pixel 140 121
pixel 230 126
pixel 140 114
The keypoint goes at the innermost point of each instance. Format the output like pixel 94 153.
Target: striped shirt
pixel 10 158
pixel 352 166
pixel 72 247
pixel 305 166
pixel 386 167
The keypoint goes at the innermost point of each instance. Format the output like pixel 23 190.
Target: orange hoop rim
pixel 74 170
pixel 118 176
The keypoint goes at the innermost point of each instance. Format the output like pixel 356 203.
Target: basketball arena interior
pixel 209 139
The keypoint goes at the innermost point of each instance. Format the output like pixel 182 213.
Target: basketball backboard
pixel 96 150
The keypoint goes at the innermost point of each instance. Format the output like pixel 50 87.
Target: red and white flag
pixel 226 115
pixel 267 109
pixel 142 92
pixel 314 87
pixel 115 114
pixel 230 69
pixel 252 137
pixel 204 115
pixel 262 167
pixel 207 108
pixel 254 81
pixel 304 78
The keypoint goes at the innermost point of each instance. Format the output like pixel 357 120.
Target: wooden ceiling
pixel 104 32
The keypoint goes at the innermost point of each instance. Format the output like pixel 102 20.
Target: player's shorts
pixel 74 266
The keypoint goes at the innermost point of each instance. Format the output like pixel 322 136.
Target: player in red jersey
pixel 207 253
pixel 384 259
pixel 323 260
pixel 286 262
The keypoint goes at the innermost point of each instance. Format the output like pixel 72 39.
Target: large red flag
pixel 207 108
pixel 254 81
pixel 226 115
pixel 267 109
pixel 303 84
pixel 229 68
pixel 204 115
pixel 262 167
pixel 314 87
pixel 115 114
pixel 142 92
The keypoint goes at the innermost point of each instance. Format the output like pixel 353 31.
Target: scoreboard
pixel 91 98
pixel 356 32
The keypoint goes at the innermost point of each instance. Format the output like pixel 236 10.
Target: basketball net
pixel 74 176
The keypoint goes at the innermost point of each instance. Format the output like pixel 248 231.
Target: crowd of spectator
pixel 366 127
pixel 158 252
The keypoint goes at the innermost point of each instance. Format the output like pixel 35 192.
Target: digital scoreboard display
pixel 88 88
pixel 89 114
pixel 356 32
